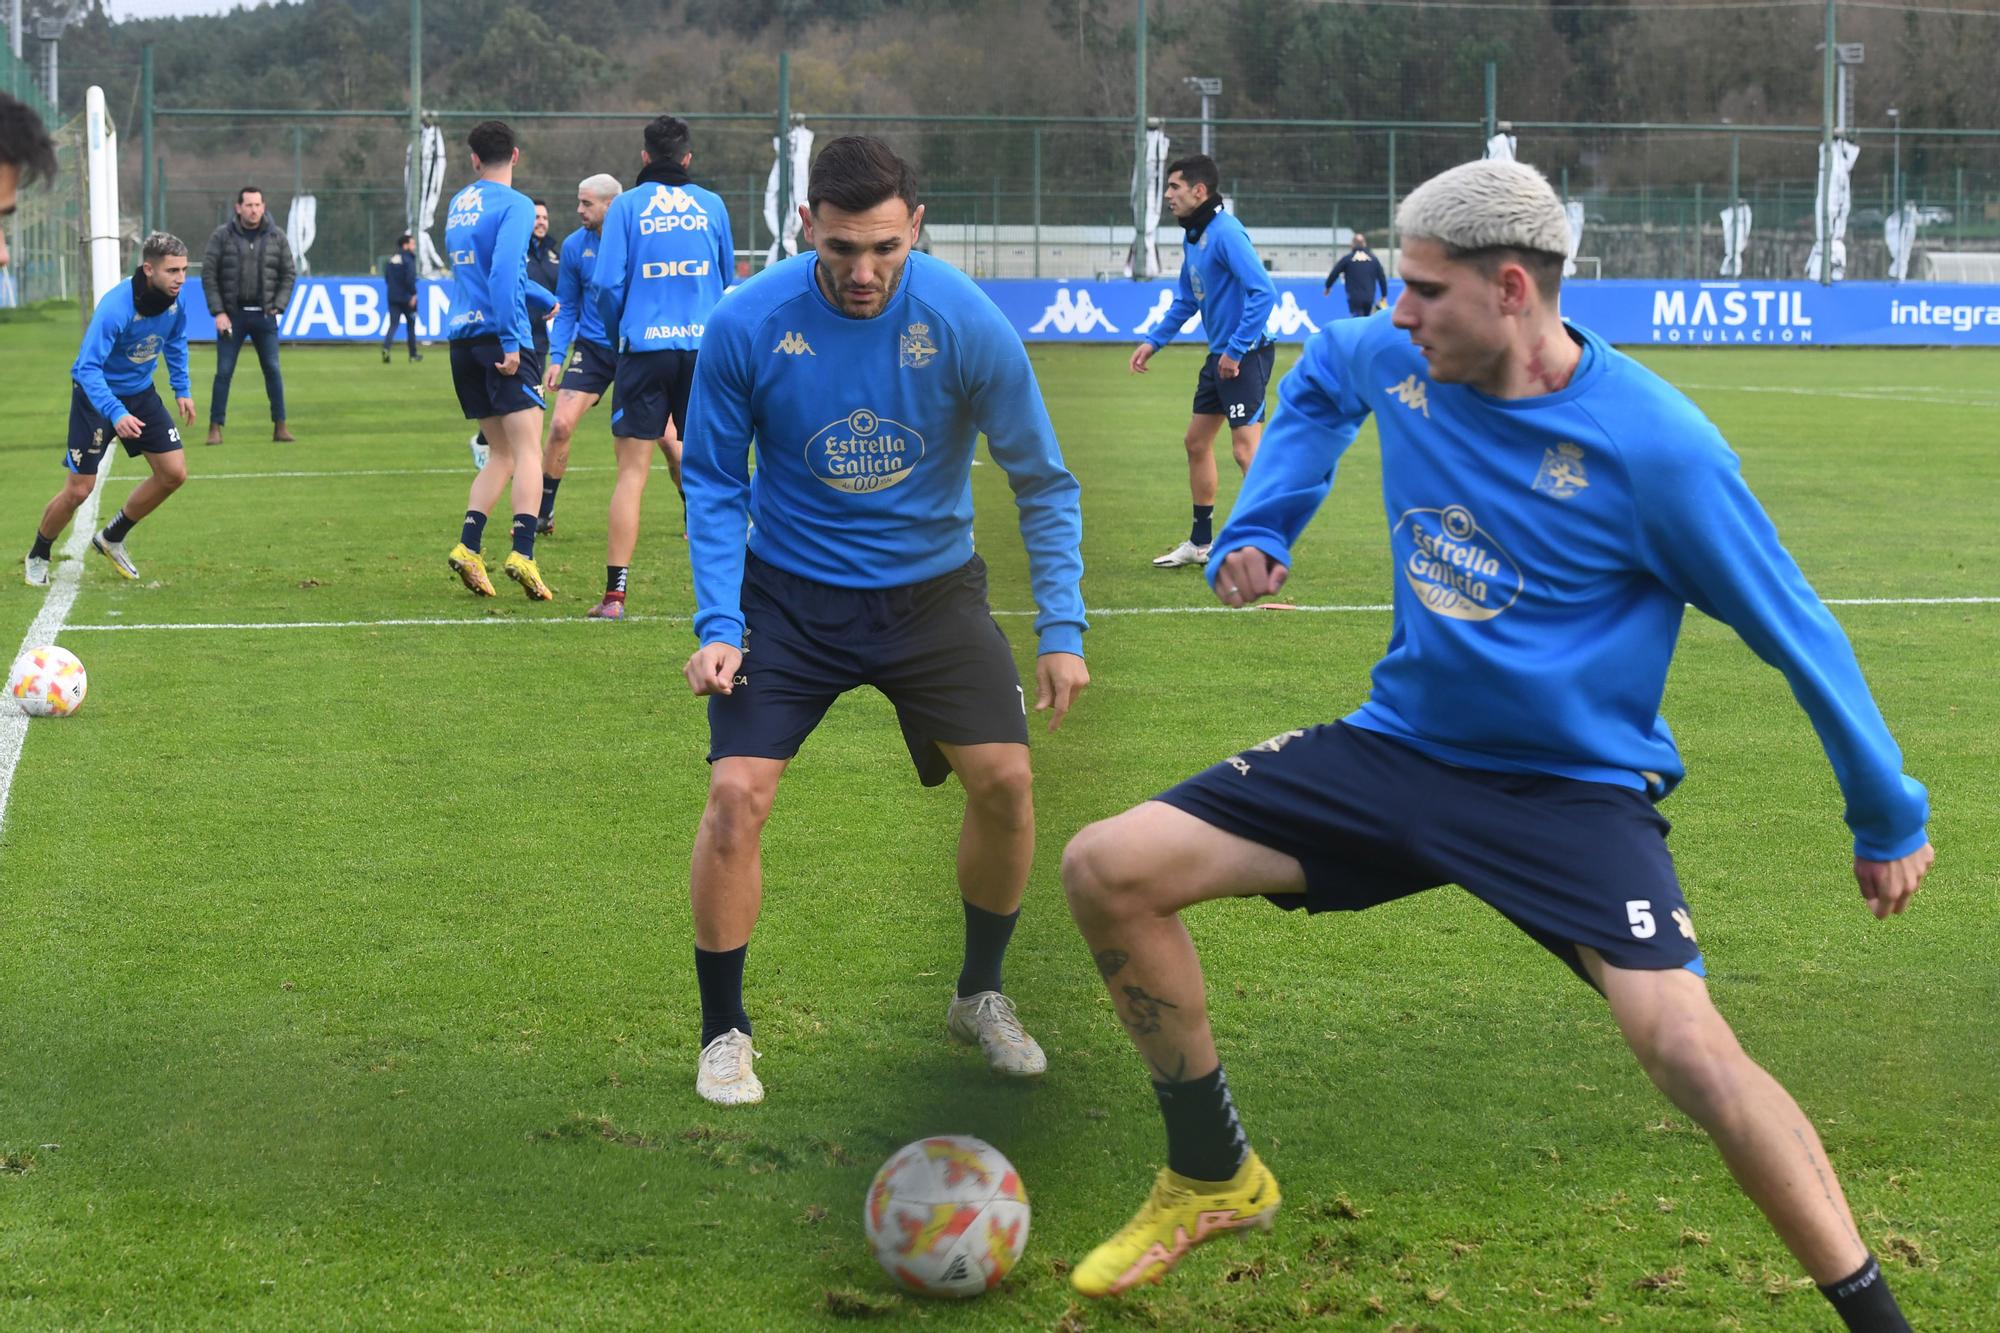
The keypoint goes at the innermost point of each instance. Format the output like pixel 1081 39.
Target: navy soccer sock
pixel 524 535
pixel 474 530
pixel 1205 1141
pixel 986 936
pixel 1864 1303
pixel 115 530
pixel 1203 532
pixel 614 580
pixel 40 550
pixel 549 485
pixel 720 976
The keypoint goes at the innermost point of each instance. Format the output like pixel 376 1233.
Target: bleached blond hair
pixel 603 185
pixel 1477 210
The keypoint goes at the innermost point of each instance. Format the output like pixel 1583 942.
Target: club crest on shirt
pixel 1562 472
pixel 918 348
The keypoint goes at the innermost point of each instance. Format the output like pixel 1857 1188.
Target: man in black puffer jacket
pixel 246 275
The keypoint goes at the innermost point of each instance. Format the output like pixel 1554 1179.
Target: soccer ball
pixel 47 682
pixel 947 1216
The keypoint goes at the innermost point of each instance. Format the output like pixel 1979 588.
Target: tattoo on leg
pixel 1161 1074
pixel 1143 1018
pixel 1110 962
pixel 1825 1182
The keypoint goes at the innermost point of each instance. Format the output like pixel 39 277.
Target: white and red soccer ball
pixel 947 1216
pixel 47 682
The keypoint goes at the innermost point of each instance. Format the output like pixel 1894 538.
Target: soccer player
pixel 544 270
pixel 663 259
pixel 866 375
pixel 112 397
pixel 493 364
pixel 1361 273
pixel 1222 277
pixel 578 323
pixel 1553 507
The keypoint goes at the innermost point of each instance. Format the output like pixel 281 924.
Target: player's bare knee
pixel 1703 1075
pixel 1097 875
pixel 77 488
pixel 737 809
pixel 1003 792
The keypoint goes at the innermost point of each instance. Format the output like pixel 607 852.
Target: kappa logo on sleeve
pixel 794 344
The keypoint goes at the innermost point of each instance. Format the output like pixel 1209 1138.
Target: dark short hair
pixel 249 189
pixel 668 139
pixel 161 245
pixel 405 239
pixel 856 172
pixel 541 203
pixel 25 141
pixel 1198 169
pixel 491 142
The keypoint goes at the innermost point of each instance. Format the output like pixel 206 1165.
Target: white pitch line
pixel 382 472
pixel 1866 395
pixel 65 579
pixel 1095 613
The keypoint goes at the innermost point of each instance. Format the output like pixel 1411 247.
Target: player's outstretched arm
pixel 1888 886
pixel 1059 679
pixel 712 669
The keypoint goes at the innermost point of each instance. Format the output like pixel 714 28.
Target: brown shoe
pixel 281 435
pixel 214 433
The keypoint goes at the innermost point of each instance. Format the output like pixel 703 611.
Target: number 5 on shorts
pixel 1639 911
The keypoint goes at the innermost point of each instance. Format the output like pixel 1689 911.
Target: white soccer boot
pixel 1187 553
pixel 36 571
pixel 115 553
pixel 726 1076
pixel 987 1020
pixel 479 452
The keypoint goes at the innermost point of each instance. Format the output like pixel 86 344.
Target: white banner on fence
pixel 1735 236
pixel 785 231
pixel 1833 183
pixel 302 229
pixel 1900 230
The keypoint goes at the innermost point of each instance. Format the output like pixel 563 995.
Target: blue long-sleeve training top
pixel 663 259
pixel 487 232
pixel 865 431
pixel 122 348
pixel 1545 549
pixel 1222 277
pixel 576 318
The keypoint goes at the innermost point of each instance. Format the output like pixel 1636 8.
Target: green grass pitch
pixel 345 972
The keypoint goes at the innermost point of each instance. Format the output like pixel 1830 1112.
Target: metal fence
pixel 1652 193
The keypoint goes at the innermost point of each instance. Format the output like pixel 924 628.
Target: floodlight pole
pixel 146 136
pixel 784 148
pixel 412 200
pixel 1210 89
pixel 1142 178
pixel 1826 155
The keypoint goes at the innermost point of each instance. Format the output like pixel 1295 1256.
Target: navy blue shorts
pixel 482 390
pixel 933 648
pixel 592 368
pixel 652 386
pixel 1372 820
pixel 90 435
pixel 1239 400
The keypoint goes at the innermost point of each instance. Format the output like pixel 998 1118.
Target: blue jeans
pixel 260 328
